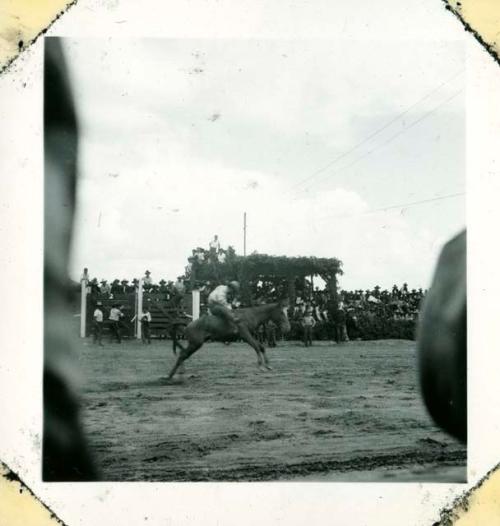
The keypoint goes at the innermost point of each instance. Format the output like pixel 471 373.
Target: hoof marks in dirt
pixel 431 442
pixel 176 380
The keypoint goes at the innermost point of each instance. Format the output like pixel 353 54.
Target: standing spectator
pixel 215 244
pixel 340 325
pixel 145 319
pixel 308 322
pixel 115 316
pixel 261 335
pixel 271 333
pixel 97 323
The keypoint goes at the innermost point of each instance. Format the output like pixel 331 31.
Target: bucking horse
pixel 210 327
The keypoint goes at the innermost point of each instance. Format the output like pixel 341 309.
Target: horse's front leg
pixel 247 337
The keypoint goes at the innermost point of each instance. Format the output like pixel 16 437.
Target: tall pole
pixel 83 303
pixel 244 233
pixel 140 307
pixel 196 304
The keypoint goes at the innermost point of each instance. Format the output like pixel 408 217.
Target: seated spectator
pixel 94 286
pixel 147 281
pixel 124 286
pixel 200 255
pixel 179 286
pixel 115 287
pixel 105 288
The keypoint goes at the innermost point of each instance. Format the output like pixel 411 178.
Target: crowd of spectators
pixel 314 314
pixel 117 288
pixel 360 314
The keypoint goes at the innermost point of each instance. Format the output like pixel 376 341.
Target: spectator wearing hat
pixel 163 286
pixel 115 287
pixel 308 322
pixel 124 286
pixel 97 323
pixel 94 287
pixel 147 281
pixel 105 288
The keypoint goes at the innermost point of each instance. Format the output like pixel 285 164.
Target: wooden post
pixel 139 310
pixel 196 304
pixel 83 303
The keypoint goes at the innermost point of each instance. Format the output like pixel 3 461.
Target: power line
pixel 376 132
pixel 406 128
pixel 400 205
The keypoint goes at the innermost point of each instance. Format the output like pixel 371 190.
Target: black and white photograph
pixel 255 251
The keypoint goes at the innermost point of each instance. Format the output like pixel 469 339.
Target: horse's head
pixel 280 315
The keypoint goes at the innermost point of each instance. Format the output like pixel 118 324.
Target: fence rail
pixel 168 314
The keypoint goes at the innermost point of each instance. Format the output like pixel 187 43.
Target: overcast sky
pixel 180 137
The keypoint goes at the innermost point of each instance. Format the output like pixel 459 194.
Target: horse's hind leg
pixel 183 356
pixel 247 337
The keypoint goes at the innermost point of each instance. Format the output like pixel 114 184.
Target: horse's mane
pixel 263 307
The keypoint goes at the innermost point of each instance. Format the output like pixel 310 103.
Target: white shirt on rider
pixel 219 295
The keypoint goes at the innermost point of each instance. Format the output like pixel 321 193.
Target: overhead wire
pixel 376 132
pixel 369 152
pixel 400 205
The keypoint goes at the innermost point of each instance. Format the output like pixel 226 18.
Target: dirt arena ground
pixel 348 412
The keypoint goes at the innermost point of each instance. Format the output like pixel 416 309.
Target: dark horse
pixel 215 328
